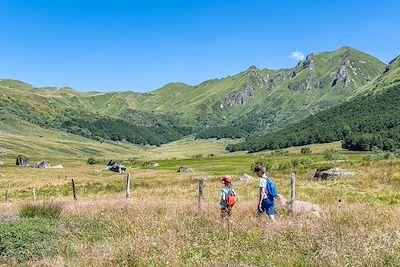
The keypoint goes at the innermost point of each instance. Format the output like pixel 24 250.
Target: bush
pixel 306 150
pixel 262 161
pixel 93 161
pixel 22 241
pixel 280 152
pixel 44 210
pixel 324 167
pixel 197 156
pixel 331 154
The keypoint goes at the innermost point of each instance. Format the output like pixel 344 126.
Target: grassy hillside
pixel 277 98
pixel 368 120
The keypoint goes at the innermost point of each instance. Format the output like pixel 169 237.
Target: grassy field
pixel 161 225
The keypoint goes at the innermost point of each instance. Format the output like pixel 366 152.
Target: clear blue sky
pixel 110 45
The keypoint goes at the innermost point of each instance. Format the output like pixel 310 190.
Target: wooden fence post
pixel 34 194
pixel 201 192
pixel 6 196
pixel 292 191
pixel 128 187
pixel 74 189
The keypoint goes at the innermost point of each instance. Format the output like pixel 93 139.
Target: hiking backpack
pixel 231 198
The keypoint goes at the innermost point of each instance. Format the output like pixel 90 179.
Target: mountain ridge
pixel 277 98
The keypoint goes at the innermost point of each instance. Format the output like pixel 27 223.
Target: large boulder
pixel 332 173
pixel 299 207
pixel 22 161
pixel 44 164
pixel 185 170
pixel 245 178
pixel 115 166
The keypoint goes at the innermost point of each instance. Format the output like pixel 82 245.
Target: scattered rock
pixel 3 152
pixel 1 163
pixel 185 170
pixel 299 207
pixel 44 164
pixel 59 166
pixel 154 165
pixel 115 166
pixel 245 178
pixel 332 173
pixel 22 161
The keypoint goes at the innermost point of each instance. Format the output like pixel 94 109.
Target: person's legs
pixel 271 212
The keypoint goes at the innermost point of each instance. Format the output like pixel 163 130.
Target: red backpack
pixel 231 198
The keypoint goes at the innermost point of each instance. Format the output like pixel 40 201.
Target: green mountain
pixel 248 103
pixel 369 119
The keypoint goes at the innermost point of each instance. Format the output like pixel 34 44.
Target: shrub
pixel 305 151
pixel 331 154
pixel 324 167
pixel 49 209
pixel 197 156
pixel 21 241
pixel 93 161
pixel 280 152
pixel 261 161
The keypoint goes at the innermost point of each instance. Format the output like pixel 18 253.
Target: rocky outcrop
pixel 332 173
pixel 22 161
pixel 303 85
pixel 241 97
pixel 309 62
pixel 44 164
pixel 343 75
pixel 3 152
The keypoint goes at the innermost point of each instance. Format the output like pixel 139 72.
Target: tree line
pixel 371 120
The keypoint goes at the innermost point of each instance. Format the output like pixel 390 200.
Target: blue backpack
pixel 270 190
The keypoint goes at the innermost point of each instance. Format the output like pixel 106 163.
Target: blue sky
pixel 110 45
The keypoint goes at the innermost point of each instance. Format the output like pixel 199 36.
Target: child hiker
pixel 228 198
pixel 266 202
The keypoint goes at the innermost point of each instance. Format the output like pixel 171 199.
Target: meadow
pixel 161 224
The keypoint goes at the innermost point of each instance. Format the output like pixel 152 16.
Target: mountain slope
pixel 368 120
pixel 253 101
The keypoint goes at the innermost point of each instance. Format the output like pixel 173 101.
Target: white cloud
pixel 297 55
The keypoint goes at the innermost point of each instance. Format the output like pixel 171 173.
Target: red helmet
pixel 226 178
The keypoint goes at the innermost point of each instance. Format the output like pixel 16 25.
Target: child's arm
pixel 262 193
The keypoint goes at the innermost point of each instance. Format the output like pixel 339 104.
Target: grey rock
pixel 185 170
pixel 241 97
pixel 299 207
pixel 332 173
pixel 154 165
pixel 3 152
pixel 1 163
pixel 59 166
pixel 115 166
pixel 44 164
pixel 245 178
pixel 22 161
pixel 302 85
